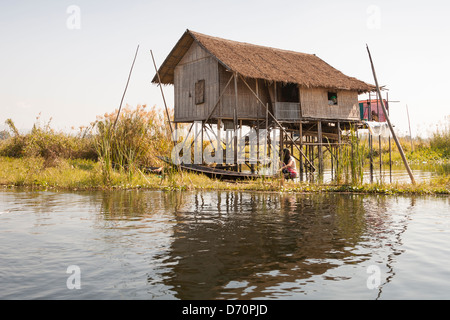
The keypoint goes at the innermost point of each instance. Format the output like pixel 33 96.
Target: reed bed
pixel 107 156
pixel 131 141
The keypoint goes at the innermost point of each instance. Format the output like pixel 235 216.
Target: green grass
pixel 44 158
pixel 81 174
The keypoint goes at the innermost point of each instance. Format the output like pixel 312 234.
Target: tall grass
pixel 116 155
pixel 43 141
pixel 133 142
pixel 350 160
pixel 440 139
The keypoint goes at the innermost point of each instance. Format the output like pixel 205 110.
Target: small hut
pixel 233 85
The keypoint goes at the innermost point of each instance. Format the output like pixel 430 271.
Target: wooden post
pixel 277 122
pixel 257 123
pixel 281 142
pixel 201 145
pixel 390 149
pixel 390 160
pixel 235 120
pixel 300 131
pixel 338 151
pixel 400 149
pixel 371 156
pixel 410 135
pixel 381 161
pixel 266 138
pixel 320 150
pixel 242 148
pixel 219 139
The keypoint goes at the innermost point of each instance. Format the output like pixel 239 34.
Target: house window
pixel 200 92
pixel 332 98
pixel 288 92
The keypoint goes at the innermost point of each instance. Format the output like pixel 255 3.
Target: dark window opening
pixel 200 92
pixel 288 93
pixel 332 98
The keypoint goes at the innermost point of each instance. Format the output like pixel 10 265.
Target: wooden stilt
pixel 340 143
pixel 301 148
pixel 320 150
pixel 400 149
pixel 275 120
pixel 257 123
pixel 241 151
pixel 381 160
pixel 235 121
pixel 371 157
pixel 201 142
pixel 390 160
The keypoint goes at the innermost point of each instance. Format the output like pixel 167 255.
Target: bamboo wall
pixel 196 65
pixel 247 105
pixel 314 104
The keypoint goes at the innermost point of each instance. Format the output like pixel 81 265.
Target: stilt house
pixel 234 84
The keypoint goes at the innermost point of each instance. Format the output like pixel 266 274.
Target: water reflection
pixel 211 245
pixel 238 245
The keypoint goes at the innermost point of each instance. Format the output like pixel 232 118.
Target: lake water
pixel 222 245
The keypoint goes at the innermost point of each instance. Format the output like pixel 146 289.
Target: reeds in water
pixel 133 142
pixel 350 160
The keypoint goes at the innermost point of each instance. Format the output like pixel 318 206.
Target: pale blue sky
pixel 71 76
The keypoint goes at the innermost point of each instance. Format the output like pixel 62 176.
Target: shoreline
pixel 83 175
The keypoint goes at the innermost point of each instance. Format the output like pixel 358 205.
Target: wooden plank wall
pixel 314 104
pixel 196 65
pixel 248 106
pixel 287 111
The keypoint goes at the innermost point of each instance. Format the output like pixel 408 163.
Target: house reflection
pixel 240 245
pixel 237 245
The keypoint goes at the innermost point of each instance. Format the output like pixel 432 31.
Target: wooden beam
pixel 220 97
pixel 320 150
pixel 162 93
pixel 235 121
pixel 277 122
pixel 400 149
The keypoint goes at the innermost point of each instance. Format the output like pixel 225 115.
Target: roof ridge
pixel 195 33
pixel 262 62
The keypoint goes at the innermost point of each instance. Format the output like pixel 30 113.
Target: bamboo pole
pixel 400 149
pixel 162 93
pixel 128 81
pixel 235 119
pixel 409 124
pixel 319 147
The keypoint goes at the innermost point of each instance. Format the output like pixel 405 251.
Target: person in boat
pixel 288 166
pixel 158 170
pixel 374 116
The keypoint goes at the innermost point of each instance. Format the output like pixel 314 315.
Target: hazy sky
pixel 69 60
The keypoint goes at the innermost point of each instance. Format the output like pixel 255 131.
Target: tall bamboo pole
pixel 409 125
pixel 162 93
pixel 400 149
pixel 128 81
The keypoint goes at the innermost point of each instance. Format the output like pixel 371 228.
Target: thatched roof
pixel 254 61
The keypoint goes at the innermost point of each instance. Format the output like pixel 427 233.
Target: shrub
pixel 135 140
